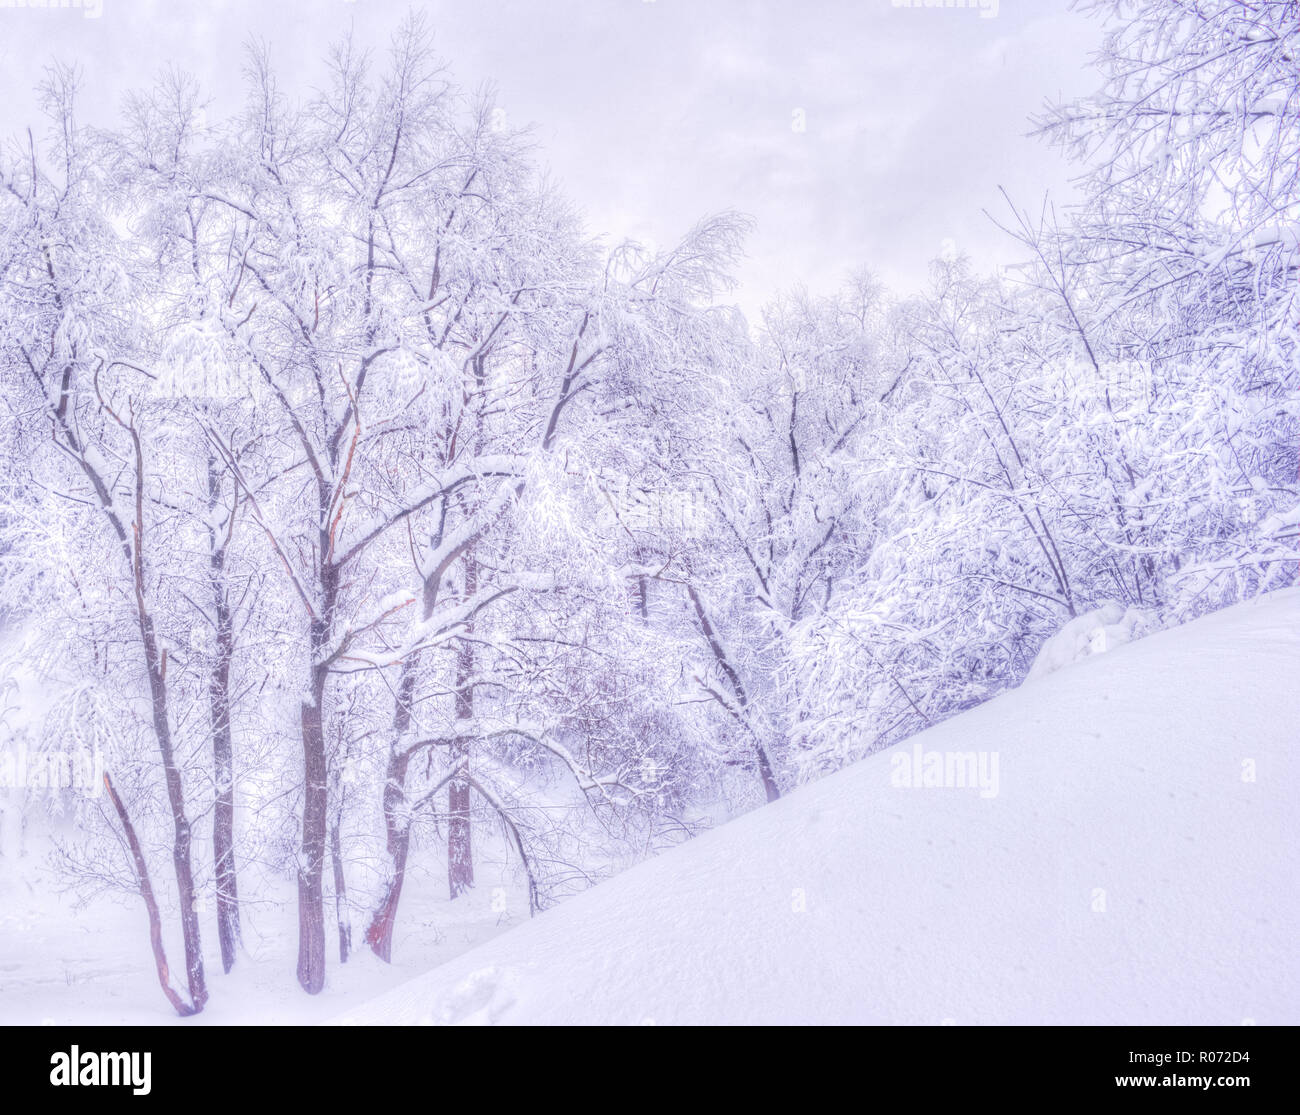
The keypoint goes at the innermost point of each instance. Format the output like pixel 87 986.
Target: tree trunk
pixel 764 764
pixel 223 818
pixel 315 785
pixel 397 824
pixel 460 858
pixel 223 812
pixel 765 773
pixel 340 892
pixel 183 1008
pixel 397 817
pixel 156 667
pixel 311 858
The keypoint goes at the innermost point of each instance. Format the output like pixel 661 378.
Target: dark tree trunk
pixel 315 771
pixel 764 764
pixel 156 668
pixel 397 815
pixel 223 812
pixel 182 836
pixel 460 856
pixel 340 893
pixel 311 859
pixel 765 773
pixel 397 824
pixel 460 859
pixel 183 1008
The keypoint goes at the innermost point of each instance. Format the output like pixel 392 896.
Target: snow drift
pixel 1134 861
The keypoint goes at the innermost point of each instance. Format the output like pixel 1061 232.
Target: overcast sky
pixel 853 131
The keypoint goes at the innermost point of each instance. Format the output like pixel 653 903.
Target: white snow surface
pixel 1094 632
pixel 1137 865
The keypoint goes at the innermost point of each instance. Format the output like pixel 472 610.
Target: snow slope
pixel 1136 864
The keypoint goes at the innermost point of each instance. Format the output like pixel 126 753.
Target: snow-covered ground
pixel 61 965
pixel 1122 851
pixel 1126 854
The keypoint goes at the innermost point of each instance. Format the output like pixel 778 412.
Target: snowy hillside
pixel 1127 854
